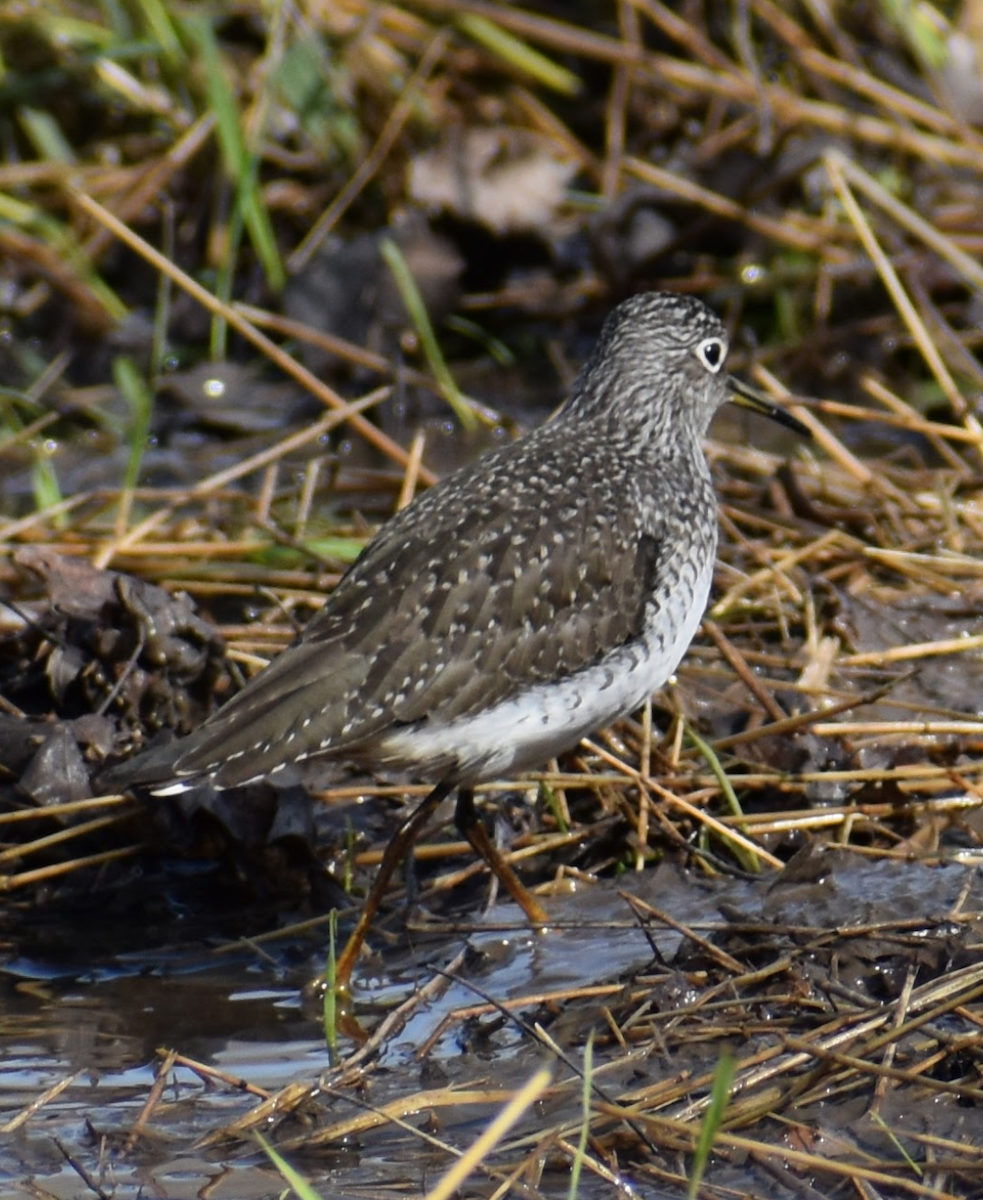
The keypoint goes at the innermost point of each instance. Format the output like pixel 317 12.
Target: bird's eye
pixel 711 352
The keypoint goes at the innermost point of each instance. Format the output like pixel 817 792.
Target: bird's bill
pixel 749 397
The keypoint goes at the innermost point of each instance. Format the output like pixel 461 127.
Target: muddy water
pixel 102 1029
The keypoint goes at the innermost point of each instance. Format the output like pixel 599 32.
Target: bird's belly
pixel 549 718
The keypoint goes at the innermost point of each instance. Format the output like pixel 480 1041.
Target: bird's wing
pixel 448 610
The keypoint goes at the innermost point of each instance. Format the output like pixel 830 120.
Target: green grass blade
pixel 297 1181
pixel 46 136
pixel 44 478
pixel 243 167
pixel 157 21
pixel 723 1080
pixel 410 293
pixel 749 861
pixel 494 346
pixel 58 236
pixel 140 401
pixel 331 1013
pixel 519 54
pixel 548 796
pixel 61 30
pixel 924 28
pixel 576 1167
pixel 344 549
pixel 900 1149
pixel 225 282
pixel 162 309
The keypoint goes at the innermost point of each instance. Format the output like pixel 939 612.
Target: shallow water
pixel 241 1014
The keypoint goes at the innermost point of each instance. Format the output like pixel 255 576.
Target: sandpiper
pixel 517 606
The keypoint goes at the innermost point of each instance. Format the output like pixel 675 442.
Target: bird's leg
pixel 466 819
pixel 399 844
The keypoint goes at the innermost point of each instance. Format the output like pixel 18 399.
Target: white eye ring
pixel 711 352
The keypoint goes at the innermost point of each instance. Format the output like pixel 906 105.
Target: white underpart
pixel 523 733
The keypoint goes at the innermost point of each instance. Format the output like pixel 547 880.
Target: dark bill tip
pixel 749 397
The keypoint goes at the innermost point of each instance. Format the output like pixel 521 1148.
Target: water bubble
pixel 752 273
